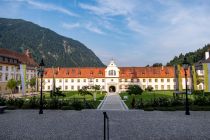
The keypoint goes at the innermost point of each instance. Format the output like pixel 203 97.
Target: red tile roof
pixel 125 72
pixel 21 57
pixel 75 72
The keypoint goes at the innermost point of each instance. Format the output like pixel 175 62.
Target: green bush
pixel 200 100
pixel 177 102
pixel 149 88
pixel 77 105
pixel 33 102
pixel 53 103
pixel 2 101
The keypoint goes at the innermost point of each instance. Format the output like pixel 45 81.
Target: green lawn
pixel 75 95
pixel 148 96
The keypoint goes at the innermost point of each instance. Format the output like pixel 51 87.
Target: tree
pixel 95 87
pixel 157 65
pixel 11 84
pixel 84 91
pixel 134 89
pixel 32 83
pixel 149 88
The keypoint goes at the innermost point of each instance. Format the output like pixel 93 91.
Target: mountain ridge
pixel 57 50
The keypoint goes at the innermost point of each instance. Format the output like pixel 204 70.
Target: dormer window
pixel 112 73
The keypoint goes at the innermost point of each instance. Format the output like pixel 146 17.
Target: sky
pixel 132 32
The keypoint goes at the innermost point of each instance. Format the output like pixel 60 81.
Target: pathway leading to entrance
pixel 113 102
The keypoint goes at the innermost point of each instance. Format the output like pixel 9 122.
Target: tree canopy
pixel 134 89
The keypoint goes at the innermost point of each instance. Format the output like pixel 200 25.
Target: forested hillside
pixel 192 57
pixel 57 50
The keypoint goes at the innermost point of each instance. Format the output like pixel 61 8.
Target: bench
pixel 2 108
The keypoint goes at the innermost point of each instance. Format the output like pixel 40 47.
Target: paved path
pixel 113 102
pixel 88 125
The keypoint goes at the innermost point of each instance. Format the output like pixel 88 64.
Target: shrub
pixel 2 101
pixel 134 89
pixel 177 102
pixel 149 88
pixel 77 105
pixel 53 103
pixel 164 101
pixel 33 102
pixel 200 100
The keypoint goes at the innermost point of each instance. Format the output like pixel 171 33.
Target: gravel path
pixel 113 102
pixel 88 125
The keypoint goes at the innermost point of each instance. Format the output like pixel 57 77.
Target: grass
pixel 74 95
pixel 149 95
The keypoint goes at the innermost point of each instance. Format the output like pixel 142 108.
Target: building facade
pixel 113 78
pixel 17 66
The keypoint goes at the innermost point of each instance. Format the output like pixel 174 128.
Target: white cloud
pixel 46 6
pixel 111 7
pixel 89 26
pixel 70 25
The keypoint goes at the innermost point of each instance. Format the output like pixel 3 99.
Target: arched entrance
pixel 112 89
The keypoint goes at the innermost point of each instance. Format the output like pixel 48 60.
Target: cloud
pixel 89 26
pixel 111 7
pixel 70 26
pixel 47 7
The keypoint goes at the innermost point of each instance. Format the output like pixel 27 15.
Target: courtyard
pixel 88 125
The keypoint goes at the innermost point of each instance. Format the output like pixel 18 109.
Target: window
pixel 156 80
pixel 174 80
pixel 66 87
pixel 72 87
pixel 103 80
pixel 120 80
pixel 12 68
pixel 48 80
pixel 168 87
pixel 100 73
pixel 66 80
pixel 112 80
pixel 103 87
pixel 96 80
pixel 78 87
pixel 156 87
pixel 125 80
pixel 168 80
pixel 137 80
pixel 6 77
pixel 144 80
pixel 120 87
pixel 0 76
pixel 144 86
pixel 7 68
pixel 112 73
pixel 132 80
pixel 150 80
pixel 72 80
pixel 60 80
pixel 162 80
pixel 78 80
pixel 84 80
pixel 48 87
pixel 162 87
pixel 0 67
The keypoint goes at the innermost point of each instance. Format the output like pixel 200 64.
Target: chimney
pixel 207 55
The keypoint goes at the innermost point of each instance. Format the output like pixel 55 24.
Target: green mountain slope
pixel 57 50
pixel 192 57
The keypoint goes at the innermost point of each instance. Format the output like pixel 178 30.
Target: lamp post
pixel 185 65
pixel 41 72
